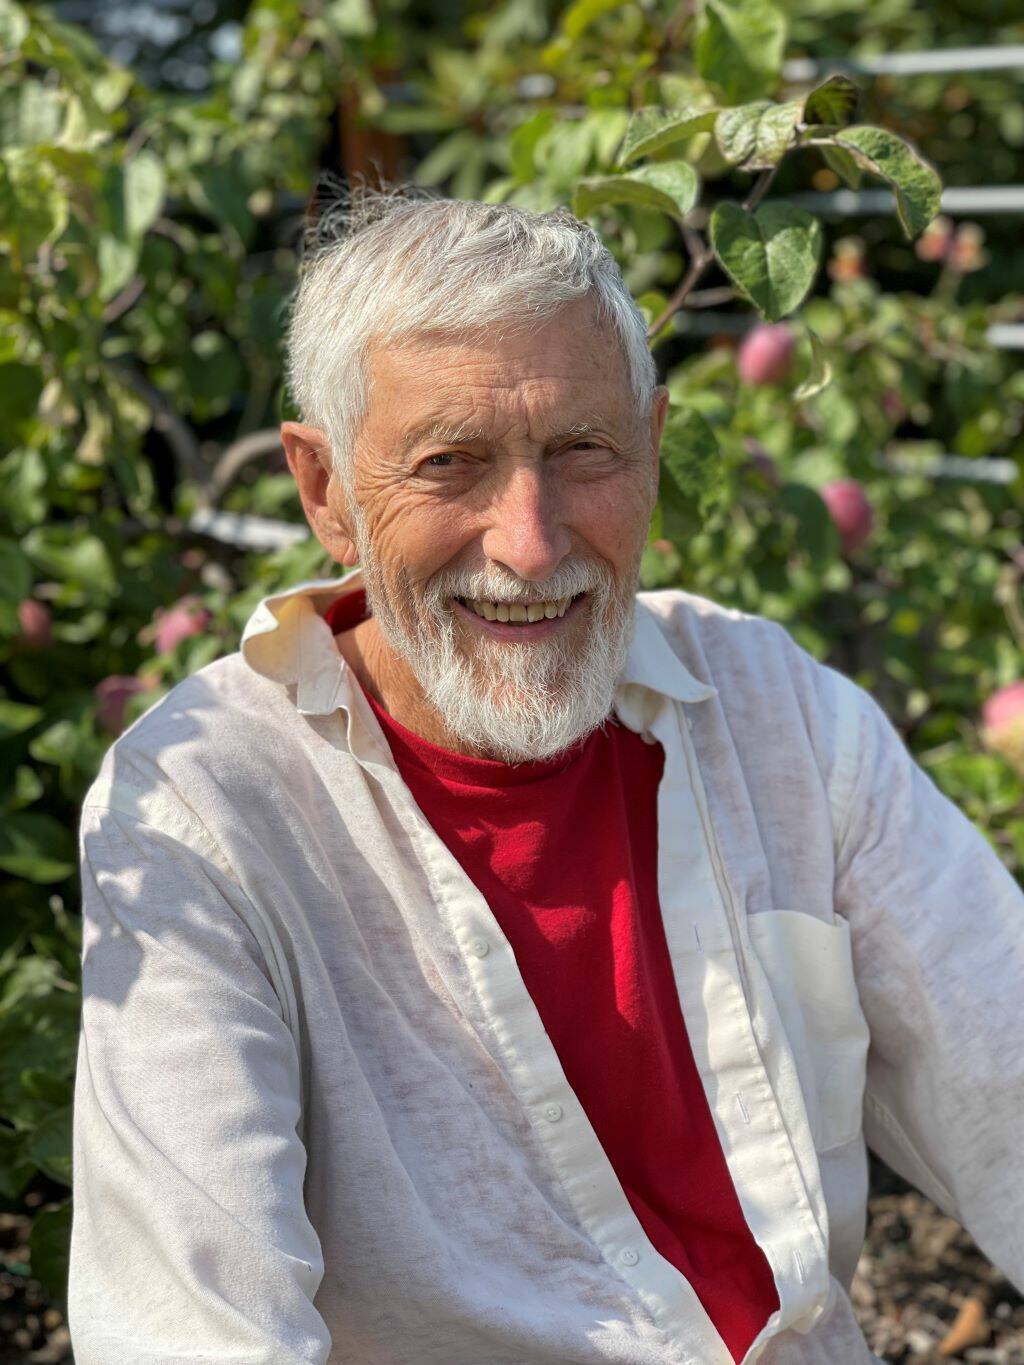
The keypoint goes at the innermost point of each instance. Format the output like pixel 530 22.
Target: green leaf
pixel 523 143
pixel 691 454
pixel 22 479
pixel 816 532
pixel 582 13
pixel 117 258
pixel 16 716
pixel 833 102
pixel 915 182
pixel 49 1147
pixel 669 186
pixel 819 372
pixel 844 165
pixel 739 46
pixel 15 571
pixel 651 130
pixel 756 136
pixel 36 847
pixel 351 18
pixel 49 1245
pixel 144 184
pixel 70 555
pixel 33 208
pixel 30 114
pixel 13 25
pixel 771 256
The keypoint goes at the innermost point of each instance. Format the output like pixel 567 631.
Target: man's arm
pixel 937 928
pixel 190 1240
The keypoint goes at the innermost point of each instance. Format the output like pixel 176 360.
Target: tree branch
pixel 237 456
pixel 179 436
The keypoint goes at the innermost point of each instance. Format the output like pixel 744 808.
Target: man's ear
pixel 659 411
pixel 309 459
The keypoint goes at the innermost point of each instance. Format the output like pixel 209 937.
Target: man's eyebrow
pixel 445 433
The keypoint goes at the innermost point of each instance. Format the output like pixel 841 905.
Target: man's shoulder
pixel 756 664
pixel 701 630
pixel 224 724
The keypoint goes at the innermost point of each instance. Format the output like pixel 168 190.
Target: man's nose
pixel 526 533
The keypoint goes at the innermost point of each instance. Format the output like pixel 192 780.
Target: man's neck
pixel 390 681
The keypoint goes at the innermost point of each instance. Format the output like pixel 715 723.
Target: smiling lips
pixel 518 613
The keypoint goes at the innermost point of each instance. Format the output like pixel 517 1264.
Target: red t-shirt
pixel 564 851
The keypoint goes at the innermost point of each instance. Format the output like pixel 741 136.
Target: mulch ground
pixel 919 1275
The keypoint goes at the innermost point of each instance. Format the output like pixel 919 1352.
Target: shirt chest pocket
pixel 809 966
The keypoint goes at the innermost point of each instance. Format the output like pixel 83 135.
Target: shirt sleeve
pixel 190 1239
pixel 937 931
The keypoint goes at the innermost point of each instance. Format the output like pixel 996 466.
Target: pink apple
pixel 1002 719
pixel 112 697
pixel 36 623
pixel 173 624
pixel 765 354
pixel 850 511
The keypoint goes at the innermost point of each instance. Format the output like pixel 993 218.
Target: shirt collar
pixel 287 640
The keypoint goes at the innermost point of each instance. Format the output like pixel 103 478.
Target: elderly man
pixel 492 965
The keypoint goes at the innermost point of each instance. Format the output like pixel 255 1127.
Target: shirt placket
pixel 710 960
pixel 529 1060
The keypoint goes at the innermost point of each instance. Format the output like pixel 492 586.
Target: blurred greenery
pixel 148 244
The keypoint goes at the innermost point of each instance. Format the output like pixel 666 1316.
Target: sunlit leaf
pixel 669 186
pixel 757 135
pixel 739 46
pixel 771 256
pixel 652 130
pixel 915 182
pixel 833 102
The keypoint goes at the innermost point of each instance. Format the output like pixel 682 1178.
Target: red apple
pixel 1002 719
pixel 112 697
pixel 36 623
pixel 173 624
pixel 850 511
pixel 766 353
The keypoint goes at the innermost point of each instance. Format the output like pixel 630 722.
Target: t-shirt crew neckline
pixel 447 764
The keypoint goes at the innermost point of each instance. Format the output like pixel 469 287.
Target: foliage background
pixel 150 207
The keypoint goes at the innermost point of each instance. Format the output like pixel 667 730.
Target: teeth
pixel 520 612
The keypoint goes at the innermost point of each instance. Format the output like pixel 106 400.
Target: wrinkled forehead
pixel 569 370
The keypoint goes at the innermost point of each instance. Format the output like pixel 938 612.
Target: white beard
pixel 511 701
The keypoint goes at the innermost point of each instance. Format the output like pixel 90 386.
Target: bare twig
pixel 179 436
pixel 125 300
pixel 237 456
pixel 711 298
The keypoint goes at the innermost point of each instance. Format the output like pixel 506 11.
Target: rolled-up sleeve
pixel 190 1239
pixel 937 928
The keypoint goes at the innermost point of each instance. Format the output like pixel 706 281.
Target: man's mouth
pixel 519 613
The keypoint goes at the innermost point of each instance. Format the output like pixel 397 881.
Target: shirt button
pixel 552 1112
pixel 480 946
pixel 628 1256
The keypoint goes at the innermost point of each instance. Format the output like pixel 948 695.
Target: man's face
pixel 502 476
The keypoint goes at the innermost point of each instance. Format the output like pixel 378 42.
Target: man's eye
pixel 439 461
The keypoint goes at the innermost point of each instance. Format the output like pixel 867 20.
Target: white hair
pixel 383 266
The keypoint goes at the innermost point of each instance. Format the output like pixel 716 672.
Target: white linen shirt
pixel 317 1117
